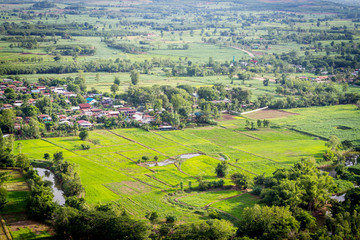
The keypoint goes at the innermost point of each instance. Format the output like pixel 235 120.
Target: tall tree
pixel 134 75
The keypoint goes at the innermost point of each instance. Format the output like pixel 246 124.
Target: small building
pixel 45 118
pixel 7 106
pixel 127 111
pixel 84 106
pixel 18 103
pixel 90 100
pixel 85 124
pixel 166 128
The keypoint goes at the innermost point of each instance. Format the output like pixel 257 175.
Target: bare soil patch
pixel 228 117
pixel 19 220
pixel 17 186
pixel 269 113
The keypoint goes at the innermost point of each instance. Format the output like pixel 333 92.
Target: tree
pixel 134 75
pixel 57 58
pixel 152 216
pixel 114 88
pixel 58 157
pixel 10 93
pixel 267 223
pixel 117 81
pixel 266 82
pixel 46 156
pixel 221 169
pixel 205 230
pixel 97 77
pixel 259 123
pixel 22 161
pixel 241 181
pixel 301 186
pixel 44 104
pixel 208 93
pixel 334 143
pixel 40 203
pixel 83 135
pixel 7 120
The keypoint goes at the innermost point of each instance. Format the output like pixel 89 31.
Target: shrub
pixel 85 146
pixel 170 219
pixel 145 158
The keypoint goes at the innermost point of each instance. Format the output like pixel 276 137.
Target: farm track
pixel 179 169
pixel 250 136
pixel 131 140
pixel 208 205
pixel 231 164
pixel 272 160
pixel 223 199
pixel 177 142
pixel 156 179
pixel 245 51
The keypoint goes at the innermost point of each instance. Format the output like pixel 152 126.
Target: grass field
pixel 18 191
pixel 110 170
pixel 342 121
pixel 235 206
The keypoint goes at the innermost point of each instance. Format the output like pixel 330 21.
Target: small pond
pixel 49 176
pixel 189 155
pixel 171 161
pixel 160 164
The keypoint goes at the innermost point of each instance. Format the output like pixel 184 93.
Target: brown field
pixel 228 117
pixel 17 186
pixel 268 114
pixel 20 220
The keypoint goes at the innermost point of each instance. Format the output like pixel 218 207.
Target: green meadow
pixel 341 120
pixel 113 169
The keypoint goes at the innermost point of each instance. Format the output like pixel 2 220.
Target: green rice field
pixel 113 169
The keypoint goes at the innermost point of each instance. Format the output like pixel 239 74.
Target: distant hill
pixel 347 2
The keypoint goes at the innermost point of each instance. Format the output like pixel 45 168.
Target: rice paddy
pixel 117 167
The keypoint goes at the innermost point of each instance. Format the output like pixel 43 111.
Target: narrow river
pixel 49 176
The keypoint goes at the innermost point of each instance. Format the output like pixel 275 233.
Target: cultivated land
pixel 110 170
pixel 14 211
pixel 342 121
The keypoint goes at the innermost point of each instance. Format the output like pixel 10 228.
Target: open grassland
pixel 114 168
pixel 342 121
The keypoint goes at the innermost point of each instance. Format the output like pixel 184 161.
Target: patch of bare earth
pixel 268 114
pixel 19 220
pixel 228 117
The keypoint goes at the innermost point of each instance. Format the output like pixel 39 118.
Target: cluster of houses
pixel 103 107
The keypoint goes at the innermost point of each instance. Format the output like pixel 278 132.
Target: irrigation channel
pixel 47 175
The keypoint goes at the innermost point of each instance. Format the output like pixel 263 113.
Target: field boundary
pixel 131 140
pixel 309 134
pixel 248 135
pixel 5 231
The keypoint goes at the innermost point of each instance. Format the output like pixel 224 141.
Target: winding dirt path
pixel 208 205
pixel 245 51
pixel 223 199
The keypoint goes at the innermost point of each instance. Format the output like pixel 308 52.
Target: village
pixel 82 115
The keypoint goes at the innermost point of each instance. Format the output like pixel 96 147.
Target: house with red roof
pixel 85 124
pixel 84 106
